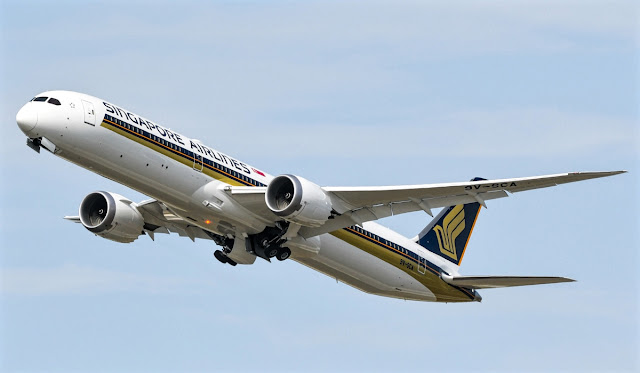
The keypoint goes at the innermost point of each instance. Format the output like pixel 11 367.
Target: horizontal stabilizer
pixel 491 282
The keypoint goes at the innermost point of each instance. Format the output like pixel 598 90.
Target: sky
pixel 342 93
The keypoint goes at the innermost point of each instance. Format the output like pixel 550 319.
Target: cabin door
pixel 197 162
pixel 89 113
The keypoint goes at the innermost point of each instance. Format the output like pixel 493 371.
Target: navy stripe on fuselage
pixel 391 246
pixel 180 151
pixel 402 251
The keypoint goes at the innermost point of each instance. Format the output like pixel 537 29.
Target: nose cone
pixel 27 119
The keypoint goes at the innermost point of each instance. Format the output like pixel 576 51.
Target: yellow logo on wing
pixel 452 226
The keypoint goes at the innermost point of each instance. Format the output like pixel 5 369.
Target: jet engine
pixel 111 216
pixel 298 200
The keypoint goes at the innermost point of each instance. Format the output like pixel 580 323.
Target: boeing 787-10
pixel 199 192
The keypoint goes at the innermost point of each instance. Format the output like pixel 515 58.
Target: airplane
pixel 201 193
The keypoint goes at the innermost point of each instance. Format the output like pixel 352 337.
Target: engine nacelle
pixel 298 200
pixel 111 216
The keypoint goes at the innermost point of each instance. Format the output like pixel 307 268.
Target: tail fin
pixel 448 233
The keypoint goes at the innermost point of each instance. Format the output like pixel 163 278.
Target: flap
pixel 158 218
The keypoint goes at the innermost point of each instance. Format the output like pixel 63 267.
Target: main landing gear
pixel 280 253
pixel 266 245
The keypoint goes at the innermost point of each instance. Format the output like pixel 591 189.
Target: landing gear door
pixel 239 253
pixel 89 113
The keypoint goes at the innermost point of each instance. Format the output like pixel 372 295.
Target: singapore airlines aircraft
pixel 199 192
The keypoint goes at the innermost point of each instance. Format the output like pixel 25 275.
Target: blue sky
pixel 342 93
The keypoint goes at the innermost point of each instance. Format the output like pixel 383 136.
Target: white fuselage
pixel 185 174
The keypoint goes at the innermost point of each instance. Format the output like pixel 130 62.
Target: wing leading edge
pixel 357 197
pixel 360 204
pixel 356 205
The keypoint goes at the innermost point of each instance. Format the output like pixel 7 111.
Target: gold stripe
pixel 169 152
pixel 431 280
pixel 397 252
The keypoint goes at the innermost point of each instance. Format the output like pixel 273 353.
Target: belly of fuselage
pixel 359 263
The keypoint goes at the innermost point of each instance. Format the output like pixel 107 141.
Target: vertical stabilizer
pixel 448 233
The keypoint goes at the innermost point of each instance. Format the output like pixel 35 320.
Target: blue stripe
pixel 403 251
pixel 180 151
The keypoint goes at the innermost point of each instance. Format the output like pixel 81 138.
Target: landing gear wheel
pixel 271 252
pixel 223 258
pixel 283 254
pixel 220 256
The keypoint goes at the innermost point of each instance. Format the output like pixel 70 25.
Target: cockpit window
pixel 54 101
pixel 40 99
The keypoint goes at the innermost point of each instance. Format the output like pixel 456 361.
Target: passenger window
pixel 54 101
pixel 40 99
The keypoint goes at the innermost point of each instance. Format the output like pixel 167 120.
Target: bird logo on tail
pixel 452 225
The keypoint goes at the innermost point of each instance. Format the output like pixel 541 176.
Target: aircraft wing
pixel 356 205
pixel 440 195
pixel 158 218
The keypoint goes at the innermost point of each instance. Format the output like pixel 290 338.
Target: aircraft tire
pixel 271 252
pixel 283 254
pixel 220 256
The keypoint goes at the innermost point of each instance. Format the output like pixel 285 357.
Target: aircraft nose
pixel 27 118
